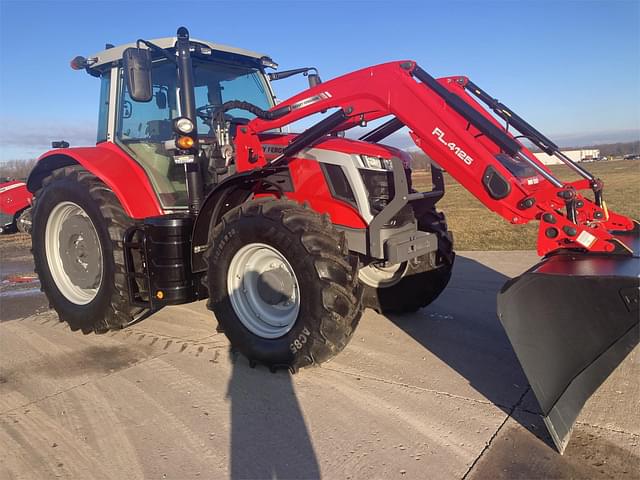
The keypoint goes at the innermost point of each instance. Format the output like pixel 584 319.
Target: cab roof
pixel 115 54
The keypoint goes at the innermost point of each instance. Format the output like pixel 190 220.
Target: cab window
pixel 103 112
pixel 143 128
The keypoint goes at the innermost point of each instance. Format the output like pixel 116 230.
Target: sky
pixel 571 68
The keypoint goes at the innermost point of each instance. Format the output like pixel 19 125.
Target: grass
pixel 477 228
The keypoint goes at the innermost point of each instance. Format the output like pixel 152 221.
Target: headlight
pixel 379 186
pixel 375 163
pixel 183 125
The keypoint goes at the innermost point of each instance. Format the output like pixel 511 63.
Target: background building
pixel 583 155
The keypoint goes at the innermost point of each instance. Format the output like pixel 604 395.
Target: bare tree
pixel 16 169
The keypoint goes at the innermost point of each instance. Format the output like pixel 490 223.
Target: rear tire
pixel 312 315
pixel 414 284
pixel 77 232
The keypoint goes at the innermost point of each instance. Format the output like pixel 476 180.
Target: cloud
pixel 20 139
pixel 402 140
pixel 23 140
pixel 399 139
pixel 596 138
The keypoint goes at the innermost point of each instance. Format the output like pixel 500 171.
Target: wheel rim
pixel 74 253
pixel 263 290
pixel 377 276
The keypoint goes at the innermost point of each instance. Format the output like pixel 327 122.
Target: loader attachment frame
pixel 464 138
pixel 572 318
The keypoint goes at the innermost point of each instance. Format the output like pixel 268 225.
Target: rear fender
pixel 109 163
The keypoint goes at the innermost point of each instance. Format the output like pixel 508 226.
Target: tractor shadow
pixel 463 330
pixel 269 437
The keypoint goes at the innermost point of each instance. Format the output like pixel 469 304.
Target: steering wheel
pixel 205 111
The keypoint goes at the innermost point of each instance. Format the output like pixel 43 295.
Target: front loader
pixel 195 191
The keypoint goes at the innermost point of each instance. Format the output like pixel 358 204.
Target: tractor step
pixel 572 319
pixel 157 257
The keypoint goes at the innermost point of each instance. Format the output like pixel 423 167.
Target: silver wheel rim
pixel 382 277
pixel 263 290
pixel 74 253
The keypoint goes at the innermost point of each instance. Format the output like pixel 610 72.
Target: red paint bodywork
pixel 14 197
pixel 119 172
pixel 308 179
pixel 390 89
pixel 310 186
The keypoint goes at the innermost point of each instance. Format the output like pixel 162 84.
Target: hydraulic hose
pixel 250 107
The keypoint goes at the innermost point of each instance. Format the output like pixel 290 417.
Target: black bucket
pixel 572 319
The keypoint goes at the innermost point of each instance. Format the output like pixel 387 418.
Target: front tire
pixel 281 284
pixel 412 285
pixel 78 227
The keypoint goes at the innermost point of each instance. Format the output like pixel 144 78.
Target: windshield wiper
pixel 290 73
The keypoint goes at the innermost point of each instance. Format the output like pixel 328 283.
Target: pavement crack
pixel 495 434
pixel 608 429
pixel 416 387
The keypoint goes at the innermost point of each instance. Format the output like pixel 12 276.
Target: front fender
pixel 121 173
pixel 229 193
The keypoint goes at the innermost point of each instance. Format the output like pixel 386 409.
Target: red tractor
pixel 15 206
pixel 194 191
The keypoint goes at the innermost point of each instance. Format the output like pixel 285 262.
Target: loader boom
pixel 572 318
pixel 465 139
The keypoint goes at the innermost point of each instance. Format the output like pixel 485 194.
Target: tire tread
pixel 119 313
pixel 341 294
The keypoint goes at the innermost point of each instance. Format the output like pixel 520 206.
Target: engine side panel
pixel 115 168
pixel 311 186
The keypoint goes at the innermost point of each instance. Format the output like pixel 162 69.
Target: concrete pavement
pixel 436 394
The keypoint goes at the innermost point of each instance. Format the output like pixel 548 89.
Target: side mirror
pixel 314 80
pixel 137 73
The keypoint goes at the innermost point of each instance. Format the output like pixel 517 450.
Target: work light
pixel 183 125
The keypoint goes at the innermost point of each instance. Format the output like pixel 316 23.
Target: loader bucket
pixel 572 319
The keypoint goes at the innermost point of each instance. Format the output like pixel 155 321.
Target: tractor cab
pixel 145 129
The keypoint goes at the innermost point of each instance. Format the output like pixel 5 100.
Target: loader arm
pixel 465 139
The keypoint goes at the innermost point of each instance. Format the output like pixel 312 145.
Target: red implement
pixel 15 199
